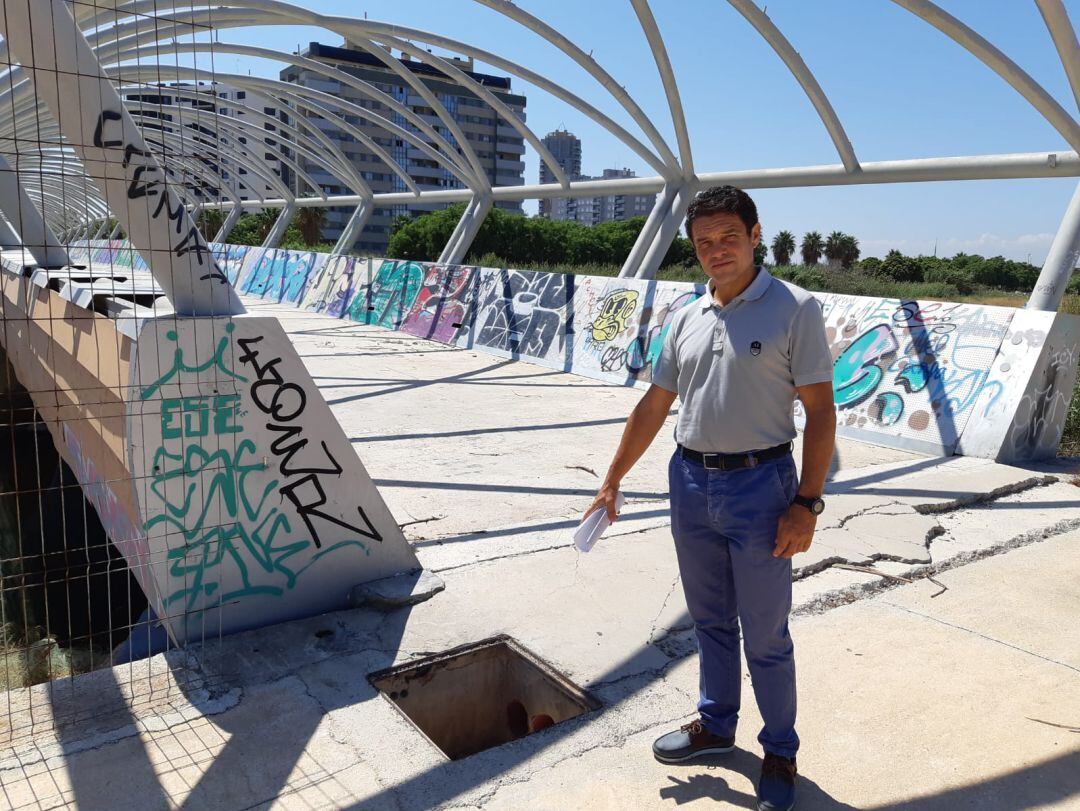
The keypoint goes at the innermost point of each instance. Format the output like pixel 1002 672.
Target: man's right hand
pixel 606 499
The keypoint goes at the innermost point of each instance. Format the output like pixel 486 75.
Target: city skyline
pixel 901 89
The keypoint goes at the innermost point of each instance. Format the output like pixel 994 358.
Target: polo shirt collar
pixel 755 290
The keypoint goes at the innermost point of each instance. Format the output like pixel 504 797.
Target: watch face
pixel 814 505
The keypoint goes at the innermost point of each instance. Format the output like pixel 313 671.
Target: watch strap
pixel 814 505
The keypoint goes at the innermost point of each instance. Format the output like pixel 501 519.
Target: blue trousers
pixel 724 525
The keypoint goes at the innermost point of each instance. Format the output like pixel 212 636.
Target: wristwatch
pixel 814 505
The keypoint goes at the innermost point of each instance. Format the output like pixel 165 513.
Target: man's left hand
pixel 795 531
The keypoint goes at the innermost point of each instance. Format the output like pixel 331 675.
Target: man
pixel 736 358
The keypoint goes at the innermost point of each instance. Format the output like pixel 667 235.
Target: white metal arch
pixel 141 31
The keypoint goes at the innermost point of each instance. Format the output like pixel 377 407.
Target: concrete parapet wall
pixel 938 377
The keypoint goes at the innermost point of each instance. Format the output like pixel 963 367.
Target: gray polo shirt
pixel 735 368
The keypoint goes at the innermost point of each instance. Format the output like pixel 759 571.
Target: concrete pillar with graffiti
pixel 214 463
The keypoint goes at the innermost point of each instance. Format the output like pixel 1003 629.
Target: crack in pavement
pixel 663 605
pixel 336 736
pixel 801 573
pixel 861 591
pixel 507 556
pixel 871 510
pixel 982 498
pixel 973 632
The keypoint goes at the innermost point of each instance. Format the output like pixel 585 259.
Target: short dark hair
pixel 722 200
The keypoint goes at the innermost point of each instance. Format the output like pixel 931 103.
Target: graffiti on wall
pixel 279 275
pixel 1040 419
pixel 525 312
pixel 230 259
pixel 114 515
pixel 148 183
pixel 920 370
pixel 233 526
pixel 628 327
pixel 390 296
pixel 302 463
pixel 914 368
pixel 442 303
pixel 329 289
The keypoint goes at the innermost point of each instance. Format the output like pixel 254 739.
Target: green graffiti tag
pixel 219 515
pixel 178 364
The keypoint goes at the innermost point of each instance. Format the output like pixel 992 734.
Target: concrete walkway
pixel 967 699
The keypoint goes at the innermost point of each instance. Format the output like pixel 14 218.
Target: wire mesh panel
pixel 172 473
pixel 76 568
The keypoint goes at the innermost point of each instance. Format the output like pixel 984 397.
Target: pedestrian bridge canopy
pixel 186 434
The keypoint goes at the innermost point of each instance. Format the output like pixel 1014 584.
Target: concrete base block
pixel 397 591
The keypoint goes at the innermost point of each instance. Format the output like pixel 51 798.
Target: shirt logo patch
pixel 755 348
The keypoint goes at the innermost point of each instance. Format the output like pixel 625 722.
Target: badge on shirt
pixel 755 348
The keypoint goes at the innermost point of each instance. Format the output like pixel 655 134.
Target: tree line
pixel 533 241
pixel 304 231
pixel 839 249
pixel 524 241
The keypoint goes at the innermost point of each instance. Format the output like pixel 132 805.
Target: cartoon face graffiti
pixel 614 310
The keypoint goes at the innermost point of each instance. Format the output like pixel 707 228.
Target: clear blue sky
pixel 901 88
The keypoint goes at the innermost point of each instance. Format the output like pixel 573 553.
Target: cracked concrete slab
pixel 488 465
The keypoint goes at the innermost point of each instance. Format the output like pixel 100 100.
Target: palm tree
pixel 811 248
pixel 834 247
pixel 760 251
pixel 783 246
pixel 210 222
pixel 310 220
pixel 263 221
pixel 849 251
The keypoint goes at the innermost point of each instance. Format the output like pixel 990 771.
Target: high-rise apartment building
pixel 565 147
pixel 594 210
pixel 624 206
pixel 498 146
pixel 252 128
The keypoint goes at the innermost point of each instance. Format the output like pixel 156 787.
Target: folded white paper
pixel 594 525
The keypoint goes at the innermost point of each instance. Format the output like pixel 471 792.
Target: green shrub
pixel 870 265
pixel 947 274
pixel 901 268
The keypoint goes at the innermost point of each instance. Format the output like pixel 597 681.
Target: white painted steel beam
pixel 671 86
pixel 593 68
pixel 779 43
pixel 230 223
pixel 666 232
pixel 445 156
pixel 139 31
pixel 1060 261
pixel 115 154
pixel 20 210
pixel 648 232
pixel 465 232
pixel 921 170
pixel 1064 37
pixel 353 227
pixel 288 211
pixel 998 62
pixel 8 237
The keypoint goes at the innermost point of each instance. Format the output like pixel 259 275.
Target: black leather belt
pixel 735 461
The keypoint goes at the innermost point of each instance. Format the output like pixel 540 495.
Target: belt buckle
pixel 751 460
pixel 717 460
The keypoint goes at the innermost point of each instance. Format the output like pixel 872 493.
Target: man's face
pixel 724 249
